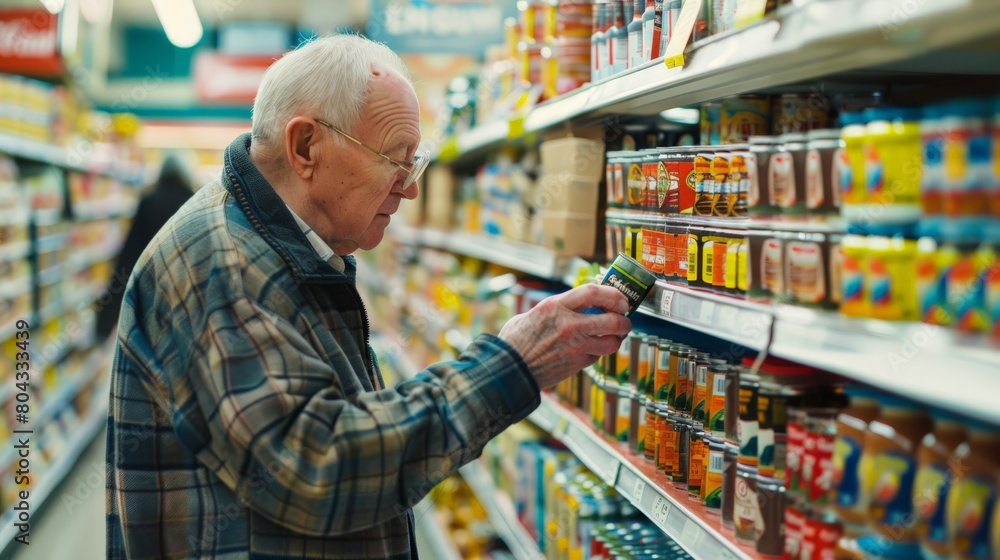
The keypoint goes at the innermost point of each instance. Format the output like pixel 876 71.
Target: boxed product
pixel 578 157
pixel 569 234
pixel 566 193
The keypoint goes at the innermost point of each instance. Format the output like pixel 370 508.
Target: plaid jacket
pixel 248 418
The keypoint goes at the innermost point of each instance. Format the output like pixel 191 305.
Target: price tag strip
pixel 666 303
pixel 660 511
pixel 638 489
pixel 683 28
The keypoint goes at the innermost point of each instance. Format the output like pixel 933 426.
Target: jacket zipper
pixel 364 315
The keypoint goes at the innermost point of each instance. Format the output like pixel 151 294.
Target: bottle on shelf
pixel 648 17
pixel 597 43
pixel 618 37
pixel 635 36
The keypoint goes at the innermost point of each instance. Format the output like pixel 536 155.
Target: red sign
pixel 227 78
pixel 29 42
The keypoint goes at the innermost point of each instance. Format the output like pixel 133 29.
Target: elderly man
pixel 248 417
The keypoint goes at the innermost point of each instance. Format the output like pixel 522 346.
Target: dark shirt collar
pixel 269 216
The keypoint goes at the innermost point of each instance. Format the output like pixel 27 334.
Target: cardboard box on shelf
pixel 569 234
pixel 572 156
pixel 566 193
pixel 440 190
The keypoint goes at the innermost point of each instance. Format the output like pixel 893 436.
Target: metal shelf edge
pixel 509 529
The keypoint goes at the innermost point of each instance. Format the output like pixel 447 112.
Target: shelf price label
pixel 561 426
pixel 681 34
pixel 660 511
pixel 692 534
pixel 515 127
pixel 638 489
pixel 666 303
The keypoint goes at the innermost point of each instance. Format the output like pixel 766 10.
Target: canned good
pixel 716 398
pixel 661 381
pixel 668 443
pixel 686 362
pixel 650 164
pixel 623 414
pixel 795 520
pixel 771 412
pixel 651 350
pixel 697 458
pixel 642 417
pixel 758 171
pixel 711 490
pixel 699 398
pixel 623 359
pixel 817 455
pixel 729 470
pixel 825 162
pixel 796 439
pixel 771 505
pixel 747 426
pixel 630 278
pixel 704 183
pixel 635 406
pixel 682 457
pixel 746 512
pixel 635 181
pixel 636 356
pixel 732 415
pixel 611 409
pixel 737 188
pixel 721 162
pixel 649 444
pixel 678 163
pixel 820 533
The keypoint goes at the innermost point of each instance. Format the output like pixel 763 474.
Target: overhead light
pixel 682 115
pixel 54 6
pixel 96 11
pixel 180 21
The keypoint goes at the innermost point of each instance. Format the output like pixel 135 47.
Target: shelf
pixel 59 157
pixel 810 41
pixel 923 362
pixel 648 490
pixel 501 512
pixel 431 533
pixel 522 257
pixel 77 442
pixel 818 224
pixel 732 319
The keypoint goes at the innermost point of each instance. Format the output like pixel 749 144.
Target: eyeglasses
pixel 414 169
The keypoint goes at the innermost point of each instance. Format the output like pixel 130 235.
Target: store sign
pixel 439 26
pixel 29 42
pixel 229 79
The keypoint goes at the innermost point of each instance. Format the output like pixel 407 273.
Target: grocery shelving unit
pixel 51 348
pixel 804 41
pixel 431 533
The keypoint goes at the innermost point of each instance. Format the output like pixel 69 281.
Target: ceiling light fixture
pixel 180 21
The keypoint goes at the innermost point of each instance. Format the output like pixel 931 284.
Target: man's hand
pixel 556 340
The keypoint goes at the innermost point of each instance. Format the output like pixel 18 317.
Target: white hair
pixel 328 76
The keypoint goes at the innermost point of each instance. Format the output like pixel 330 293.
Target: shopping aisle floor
pixel 71 525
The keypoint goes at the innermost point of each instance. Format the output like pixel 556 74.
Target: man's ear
pixel 302 146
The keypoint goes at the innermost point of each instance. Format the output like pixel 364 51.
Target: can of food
pixel 747 427
pixel 661 377
pixel 623 359
pixel 716 399
pixel 642 357
pixel 636 340
pixel 820 534
pixel 817 455
pixel 729 470
pixel 697 457
pixel 610 409
pixel 822 175
pixel 667 445
pixel 795 520
pixel 721 167
pixel 652 427
pixel 679 166
pixel 758 169
pixel 675 364
pixel 623 416
pixel 633 241
pixel 711 489
pixel 630 278
pixel 699 398
pixel 704 183
pixel 681 459
pixel 791 195
pixel 650 164
pixel 769 401
pixel 652 351
pixel 743 117
pixel 686 362
pixel 771 504
pixel 746 512
pixel 738 187
pixel 635 181
pixel 619 168
pixel 732 415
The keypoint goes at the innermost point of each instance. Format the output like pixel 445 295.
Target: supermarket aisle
pixel 72 524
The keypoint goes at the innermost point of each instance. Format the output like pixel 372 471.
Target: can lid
pixel 746 470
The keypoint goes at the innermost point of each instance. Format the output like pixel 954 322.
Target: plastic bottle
pixel 892 164
pixel 617 36
pixel 634 38
pixel 973 492
pixel 848 494
pixel 967 157
pixel 889 279
pixel 852 180
pixel 597 43
pixel 671 12
pixel 933 481
pixel 648 17
pixel 932 182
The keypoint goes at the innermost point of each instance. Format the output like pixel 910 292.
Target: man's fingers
pixel 593 295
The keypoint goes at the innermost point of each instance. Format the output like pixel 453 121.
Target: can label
pixel 930 496
pixel 805 271
pixel 699 400
pixel 624 418
pixel 698 452
pixel 670 440
pixel 794 521
pixel 681 399
pixel 654 251
pixel 643 378
pixel 631 280
pixel 846 479
pixel 746 514
pixel 663 189
pixel 793 457
pixel 641 431
pixel 662 375
pixel 717 405
pixel 817 466
pixel 713 479
pixel 636 186
pixel 623 360
pixel 970 504
pixel 747 427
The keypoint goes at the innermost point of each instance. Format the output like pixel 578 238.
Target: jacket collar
pixel 269 216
